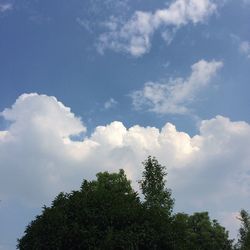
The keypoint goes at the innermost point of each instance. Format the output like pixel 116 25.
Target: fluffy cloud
pixel 245 48
pixel 38 158
pixel 174 96
pixel 134 36
pixel 31 150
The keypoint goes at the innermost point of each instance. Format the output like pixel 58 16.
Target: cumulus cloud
pixel 24 163
pixel 134 36
pixel 38 158
pixel 5 7
pixel 174 96
pixel 245 48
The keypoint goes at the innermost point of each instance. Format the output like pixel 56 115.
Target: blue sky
pixel 106 77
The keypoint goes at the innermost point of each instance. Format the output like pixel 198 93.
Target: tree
pixel 200 233
pixel 244 231
pixel 107 213
pixel 153 186
pixel 104 214
pixel 205 234
pixel 180 231
pixel 158 205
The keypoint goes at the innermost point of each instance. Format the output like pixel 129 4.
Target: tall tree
pixel 153 186
pixel 158 205
pixel 244 231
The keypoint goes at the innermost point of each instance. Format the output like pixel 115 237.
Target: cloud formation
pixel 31 150
pixel 134 36
pixel 38 158
pixel 245 48
pixel 174 96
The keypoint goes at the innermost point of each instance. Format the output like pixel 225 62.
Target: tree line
pixel 107 213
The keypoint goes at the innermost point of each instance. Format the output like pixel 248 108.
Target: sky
pixel 95 85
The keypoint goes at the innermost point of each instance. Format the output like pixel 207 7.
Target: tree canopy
pixel 107 213
pixel 198 231
pixel 244 231
pixel 102 215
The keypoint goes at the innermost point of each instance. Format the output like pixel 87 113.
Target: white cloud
pixel 174 96
pixel 134 36
pixel 5 7
pixel 38 159
pixel 32 147
pixel 110 103
pixel 245 48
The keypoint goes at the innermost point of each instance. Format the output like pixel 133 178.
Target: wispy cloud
pixel 245 48
pixel 242 45
pixel 110 103
pixel 246 1
pixel 174 96
pixel 85 24
pixel 5 7
pixel 134 36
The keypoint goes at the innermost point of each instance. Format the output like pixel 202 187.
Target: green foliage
pixel 104 214
pixel 200 233
pixel 244 231
pixel 107 213
pixel 206 234
pixel 153 186
pixel 158 204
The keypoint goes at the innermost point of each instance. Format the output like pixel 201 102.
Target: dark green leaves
pixel 107 213
pixel 153 186
pixel 244 231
